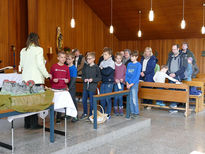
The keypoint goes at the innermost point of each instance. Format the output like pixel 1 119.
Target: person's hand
pixel 142 74
pixel 121 80
pixel 86 80
pixel 128 86
pixel 55 80
pixel 90 80
pixel 66 80
pixel 50 76
pixel 172 75
pixel 117 81
pixel 101 67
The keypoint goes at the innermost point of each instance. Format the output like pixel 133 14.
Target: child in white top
pixel 161 75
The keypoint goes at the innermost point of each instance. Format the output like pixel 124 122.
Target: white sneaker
pixel 149 108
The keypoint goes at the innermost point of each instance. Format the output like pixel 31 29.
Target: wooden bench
pixel 165 92
pixel 199 98
pixel 200 80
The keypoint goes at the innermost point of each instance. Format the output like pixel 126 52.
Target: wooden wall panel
pixel 13 18
pixel 90 33
pixel 163 47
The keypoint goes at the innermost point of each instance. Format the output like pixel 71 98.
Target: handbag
pixel 101 117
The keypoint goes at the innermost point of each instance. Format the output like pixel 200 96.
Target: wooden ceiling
pixel 166 25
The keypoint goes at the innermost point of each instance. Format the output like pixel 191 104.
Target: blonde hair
pixel 148 49
pixel 92 54
pixel 118 54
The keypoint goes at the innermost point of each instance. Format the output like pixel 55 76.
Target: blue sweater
pixel 73 71
pixel 133 72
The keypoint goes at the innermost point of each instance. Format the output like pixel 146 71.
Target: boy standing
pixel 107 67
pixel 91 76
pixel 132 81
pixel 73 75
pixel 60 76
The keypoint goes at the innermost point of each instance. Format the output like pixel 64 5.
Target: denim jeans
pixel 134 106
pixel 118 98
pixel 106 88
pixel 87 93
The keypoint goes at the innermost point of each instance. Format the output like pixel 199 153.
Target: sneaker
pixel 108 117
pixel 84 116
pixel 74 119
pixel 158 103
pixel 173 111
pixel 162 104
pixel 121 111
pixel 173 105
pixel 116 111
pixel 149 108
pixel 58 121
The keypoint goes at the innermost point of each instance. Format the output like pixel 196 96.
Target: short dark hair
pixel 108 50
pixel 134 53
pixel 177 45
pixel 186 44
pixel 118 54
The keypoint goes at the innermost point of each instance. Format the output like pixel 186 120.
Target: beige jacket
pixel 32 63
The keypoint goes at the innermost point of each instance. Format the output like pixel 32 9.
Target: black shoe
pixel 37 127
pixel 84 116
pixel 58 121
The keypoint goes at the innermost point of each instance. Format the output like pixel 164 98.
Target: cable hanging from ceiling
pixel 111 26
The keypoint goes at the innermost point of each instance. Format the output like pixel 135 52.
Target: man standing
pixel 176 68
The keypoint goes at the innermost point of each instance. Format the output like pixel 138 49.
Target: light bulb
pixel 72 23
pixel 111 29
pixel 151 15
pixel 183 24
pixel 203 29
pixel 139 33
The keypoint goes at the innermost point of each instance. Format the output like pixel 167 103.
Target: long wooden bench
pixel 199 103
pixel 165 92
pixel 201 80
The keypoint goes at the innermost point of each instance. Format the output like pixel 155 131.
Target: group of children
pixel 111 74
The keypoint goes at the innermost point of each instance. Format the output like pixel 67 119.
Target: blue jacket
pixel 149 71
pixel 133 72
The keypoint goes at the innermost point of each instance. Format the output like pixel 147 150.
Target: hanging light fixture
pixel 72 22
pixel 183 23
pixel 139 33
pixel 111 26
pixel 151 13
pixel 203 28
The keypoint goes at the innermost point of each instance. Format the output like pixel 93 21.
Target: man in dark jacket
pixel 79 61
pixel 176 63
pixel 176 67
pixel 187 53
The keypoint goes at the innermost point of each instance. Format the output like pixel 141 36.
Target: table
pixel 11 113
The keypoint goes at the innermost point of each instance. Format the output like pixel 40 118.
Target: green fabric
pixel 5 102
pixel 28 103
pixel 157 68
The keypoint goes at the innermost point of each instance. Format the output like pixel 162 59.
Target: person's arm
pixel 68 75
pixel 41 64
pixel 21 60
pixel 150 66
pixel 84 73
pixel 98 75
pixel 155 77
pixel 170 78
